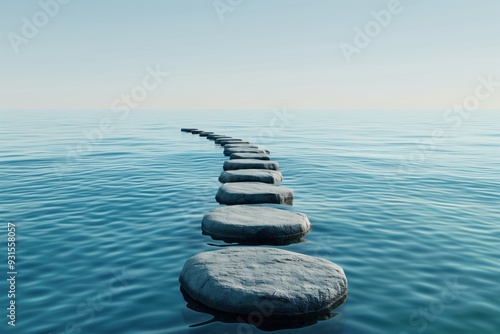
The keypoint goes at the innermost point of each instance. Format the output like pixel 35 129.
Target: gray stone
pixel 251 175
pixel 253 193
pixel 205 134
pixel 243 146
pixel 216 136
pixel 258 156
pixel 224 143
pixel 188 129
pixel 245 280
pixel 218 140
pixel 229 151
pixel 196 132
pixel 250 223
pixel 250 164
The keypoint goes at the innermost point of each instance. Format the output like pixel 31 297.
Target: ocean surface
pixel 107 209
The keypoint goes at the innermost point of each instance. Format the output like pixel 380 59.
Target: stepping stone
pixel 214 139
pixel 204 134
pixel 224 143
pixel 253 193
pixel 195 132
pixel 243 280
pixel 215 136
pixel 218 140
pixel 188 129
pixel 251 175
pixel 250 164
pixel 240 146
pixel 251 223
pixel 229 151
pixel 258 156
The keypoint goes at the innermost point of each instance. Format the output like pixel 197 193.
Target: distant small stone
pixel 258 156
pixel 250 164
pixel 205 134
pixel 218 140
pixel 188 129
pixel 229 151
pixel 251 223
pixel 246 280
pixel 241 146
pixel 253 193
pixel 224 143
pixel 195 132
pixel 216 136
pixel 251 175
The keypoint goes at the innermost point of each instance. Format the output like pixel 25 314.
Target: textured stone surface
pixel 257 156
pixel 188 129
pixel 251 175
pixel 247 279
pixel 219 140
pixel 250 164
pixel 253 193
pixel 229 151
pixel 254 223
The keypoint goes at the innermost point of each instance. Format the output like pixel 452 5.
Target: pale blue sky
pixel 265 54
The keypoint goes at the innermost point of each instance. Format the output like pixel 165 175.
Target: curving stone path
pixel 251 175
pixel 243 280
pixel 253 193
pixel 250 164
pixel 257 156
pixel 250 223
pixel 240 280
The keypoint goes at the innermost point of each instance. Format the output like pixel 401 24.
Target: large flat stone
pixel 250 223
pixel 257 156
pixel 250 164
pixel 251 175
pixel 253 193
pixel 246 279
pixel 219 140
pixel 229 151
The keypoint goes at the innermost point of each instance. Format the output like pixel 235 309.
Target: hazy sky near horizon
pixel 252 54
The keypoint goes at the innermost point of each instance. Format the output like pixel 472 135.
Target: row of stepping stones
pixel 248 280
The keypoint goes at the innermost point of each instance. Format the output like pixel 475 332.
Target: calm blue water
pixel 401 211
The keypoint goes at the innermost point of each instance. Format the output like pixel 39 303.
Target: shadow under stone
pixel 255 241
pixel 263 319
